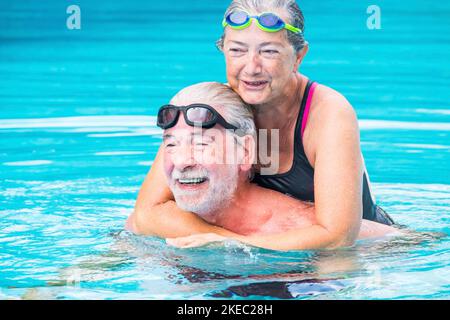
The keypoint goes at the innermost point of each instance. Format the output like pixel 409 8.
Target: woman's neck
pixel 278 113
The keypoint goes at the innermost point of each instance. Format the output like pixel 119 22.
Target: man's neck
pixel 240 215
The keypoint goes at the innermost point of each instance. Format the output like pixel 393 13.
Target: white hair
pixel 233 109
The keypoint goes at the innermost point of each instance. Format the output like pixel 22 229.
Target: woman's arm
pixel 332 138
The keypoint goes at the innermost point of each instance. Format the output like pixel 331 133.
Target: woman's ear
pixel 300 55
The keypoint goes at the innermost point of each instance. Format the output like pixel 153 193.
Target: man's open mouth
pixel 192 181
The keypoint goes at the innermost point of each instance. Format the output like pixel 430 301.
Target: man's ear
pixel 300 56
pixel 248 152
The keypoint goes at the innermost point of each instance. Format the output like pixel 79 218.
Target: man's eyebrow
pixel 202 135
pixel 192 135
pixel 168 136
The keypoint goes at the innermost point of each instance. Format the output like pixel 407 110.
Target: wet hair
pixel 234 110
pixel 295 17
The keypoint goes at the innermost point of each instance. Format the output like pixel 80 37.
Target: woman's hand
pixel 196 240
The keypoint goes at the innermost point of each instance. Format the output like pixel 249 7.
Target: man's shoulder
pixel 275 199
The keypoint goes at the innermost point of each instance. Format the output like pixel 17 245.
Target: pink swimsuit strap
pixel 308 105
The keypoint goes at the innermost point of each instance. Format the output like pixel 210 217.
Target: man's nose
pixel 254 64
pixel 183 157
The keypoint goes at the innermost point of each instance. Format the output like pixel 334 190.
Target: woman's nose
pixel 253 65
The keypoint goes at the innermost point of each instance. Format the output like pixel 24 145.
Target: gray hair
pixel 235 110
pixel 295 17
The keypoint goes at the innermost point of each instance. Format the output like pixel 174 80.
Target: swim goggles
pixel 268 22
pixel 197 114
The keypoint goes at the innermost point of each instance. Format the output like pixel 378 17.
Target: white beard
pixel 219 195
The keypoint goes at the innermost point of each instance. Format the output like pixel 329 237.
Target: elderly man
pixel 208 153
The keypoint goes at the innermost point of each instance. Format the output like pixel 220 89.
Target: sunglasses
pixel 195 115
pixel 268 22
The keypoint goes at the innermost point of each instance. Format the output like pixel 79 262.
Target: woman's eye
pixel 237 50
pixel 270 52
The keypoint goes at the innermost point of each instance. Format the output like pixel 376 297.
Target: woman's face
pixel 259 64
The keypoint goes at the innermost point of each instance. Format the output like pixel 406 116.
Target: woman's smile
pixel 255 85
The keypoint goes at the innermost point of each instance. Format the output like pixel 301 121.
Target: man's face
pixel 198 173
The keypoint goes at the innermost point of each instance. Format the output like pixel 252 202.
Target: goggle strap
pixel 292 28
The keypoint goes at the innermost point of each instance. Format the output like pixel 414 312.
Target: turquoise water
pixel 77 136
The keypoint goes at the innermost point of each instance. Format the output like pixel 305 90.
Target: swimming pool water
pixel 78 134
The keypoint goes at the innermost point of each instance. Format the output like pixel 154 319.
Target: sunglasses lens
pixel 271 21
pixel 237 18
pixel 167 116
pixel 199 115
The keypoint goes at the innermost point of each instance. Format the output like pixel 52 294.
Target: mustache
pixel 191 173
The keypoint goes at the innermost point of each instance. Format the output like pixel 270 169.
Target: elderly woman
pixel 319 156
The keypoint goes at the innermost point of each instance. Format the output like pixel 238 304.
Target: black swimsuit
pixel 298 182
